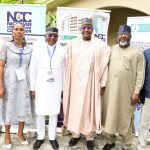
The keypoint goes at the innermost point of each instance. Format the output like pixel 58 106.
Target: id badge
pixel 50 72
pixel 20 74
pixel 50 76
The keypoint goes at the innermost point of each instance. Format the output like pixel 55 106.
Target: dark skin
pixel 86 31
pixel 18 34
pixel 53 39
pixel 102 90
pixel 135 98
pixel 126 37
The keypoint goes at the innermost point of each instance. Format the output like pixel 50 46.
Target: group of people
pixel 100 86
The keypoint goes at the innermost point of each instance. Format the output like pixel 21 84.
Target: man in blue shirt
pixel 145 118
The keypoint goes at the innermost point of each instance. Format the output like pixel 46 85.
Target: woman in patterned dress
pixel 14 83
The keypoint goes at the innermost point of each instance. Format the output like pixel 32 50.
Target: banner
pixel 32 16
pixel 69 22
pixel 140 27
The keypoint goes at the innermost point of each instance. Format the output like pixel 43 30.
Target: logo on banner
pixel 100 36
pixel 19 17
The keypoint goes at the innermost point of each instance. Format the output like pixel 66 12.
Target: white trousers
pixel 144 126
pixel 41 127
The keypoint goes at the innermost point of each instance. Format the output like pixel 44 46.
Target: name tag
pixel 50 76
pixel 20 74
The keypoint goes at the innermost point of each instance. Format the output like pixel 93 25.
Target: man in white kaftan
pixel 46 73
pixel 86 74
pixel 125 80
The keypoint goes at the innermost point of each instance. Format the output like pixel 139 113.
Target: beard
pixel 124 43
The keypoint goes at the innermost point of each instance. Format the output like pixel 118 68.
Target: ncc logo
pixel 19 16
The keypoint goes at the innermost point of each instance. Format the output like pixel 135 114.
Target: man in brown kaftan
pixel 125 80
pixel 86 74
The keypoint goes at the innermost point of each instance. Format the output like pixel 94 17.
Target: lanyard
pixel 20 54
pixel 51 55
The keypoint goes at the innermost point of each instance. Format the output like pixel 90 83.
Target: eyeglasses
pixel 86 27
pixel 52 35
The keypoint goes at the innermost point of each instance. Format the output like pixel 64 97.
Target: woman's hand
pixel 32 94
pixel 1 91
pixel 2 65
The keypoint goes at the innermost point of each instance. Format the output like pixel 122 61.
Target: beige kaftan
pixel 125 77
pixel 86 73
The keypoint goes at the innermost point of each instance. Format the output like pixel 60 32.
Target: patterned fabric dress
pixel 16 104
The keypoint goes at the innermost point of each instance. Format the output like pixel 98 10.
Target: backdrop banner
pixel 140 28
pixel 69 22
pixel 33 18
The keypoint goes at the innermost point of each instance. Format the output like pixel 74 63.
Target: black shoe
pixel 54 144
pixel 73 141
pixel 108 146
pixel 38 144
pixel 90 145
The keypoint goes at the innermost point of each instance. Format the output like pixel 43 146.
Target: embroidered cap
pixel 85 21
pixel 124 28
pixel 52 29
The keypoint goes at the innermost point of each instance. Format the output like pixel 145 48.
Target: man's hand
pixel 32 94
pixel 1 91
pixel 135 98
pixel 102 90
